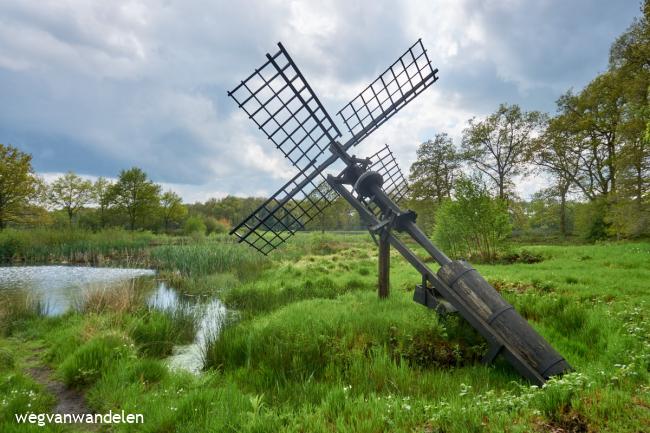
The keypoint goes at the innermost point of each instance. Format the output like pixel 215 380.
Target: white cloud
pixel 96 87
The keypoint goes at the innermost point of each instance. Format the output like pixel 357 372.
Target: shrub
pixel 474 225
pixel 217 226
pixel 194 225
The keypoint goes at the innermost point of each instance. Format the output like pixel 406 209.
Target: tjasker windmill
pixel 279 100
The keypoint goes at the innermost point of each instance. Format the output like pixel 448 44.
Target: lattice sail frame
pixel 284 213
pixel 283 105
pixel 395 184
pixel 279 100
pixel 398 85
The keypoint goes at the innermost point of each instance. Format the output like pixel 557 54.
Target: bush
pixel 86 364
pixel 474 225
pixel 217 226
pixel 194 225
pixel 591 221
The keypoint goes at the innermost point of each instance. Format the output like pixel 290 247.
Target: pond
pixel 58 289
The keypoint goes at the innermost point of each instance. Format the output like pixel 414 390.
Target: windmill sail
pixel 398 85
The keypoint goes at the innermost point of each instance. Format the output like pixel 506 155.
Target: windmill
pixel 281 103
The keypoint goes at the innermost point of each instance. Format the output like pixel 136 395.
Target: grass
pixel 201 259
pixel 157 332
pixel 16 308
pixel 39 246
pixel 315 350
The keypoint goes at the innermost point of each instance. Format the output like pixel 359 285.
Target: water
pixel 211 316
pixel 60 288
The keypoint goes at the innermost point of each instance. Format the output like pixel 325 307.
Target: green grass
pixel 315 350
pixel 157 332
pixel 40 246
pixel 200 259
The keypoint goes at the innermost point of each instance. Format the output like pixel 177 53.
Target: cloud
pixel 96 87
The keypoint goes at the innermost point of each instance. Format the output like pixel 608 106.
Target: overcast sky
pixel 99 86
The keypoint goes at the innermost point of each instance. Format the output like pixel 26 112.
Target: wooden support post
pixel 384 265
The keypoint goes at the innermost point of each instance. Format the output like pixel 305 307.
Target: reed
pixel 200 259
pixel 77 246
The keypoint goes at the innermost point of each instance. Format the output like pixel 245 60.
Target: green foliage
pixel 474 225
pixel 194 225
pixel 327 354
pixel 172 209
pixel 591 223
pixel 20 394
pixel 87 363
pixel 498 146
pixel 18 183
pixel 307 338
pixel 71 193
pixel 17 308
pixel 213 225
pixel 432 174
pixel 136 196
pixel 147 371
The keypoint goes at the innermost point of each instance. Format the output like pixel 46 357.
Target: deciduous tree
pixel 135 195
pixel 432 174
pixel 18 183
pixel 498 146
pixel 70 192
pixel 172 208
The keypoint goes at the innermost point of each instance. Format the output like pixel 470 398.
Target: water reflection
pixel 210 317
pixel 58 288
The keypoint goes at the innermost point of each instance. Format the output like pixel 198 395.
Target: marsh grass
pixel 89 361
pixel 17 308
pixel 306 338
pixel 120 297
pixel 157 332
pixel 315 350
pixel 38 246
pixel 201 259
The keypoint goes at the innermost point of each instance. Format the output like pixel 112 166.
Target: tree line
pixel 595 150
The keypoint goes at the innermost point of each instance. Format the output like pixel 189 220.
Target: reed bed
pixel 17 308
pixel 200 259
pixel 120 297
pixel 40 246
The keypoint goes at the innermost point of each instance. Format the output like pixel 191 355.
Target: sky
pixel 99 86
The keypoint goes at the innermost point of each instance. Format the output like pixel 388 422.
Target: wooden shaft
pixel 384 266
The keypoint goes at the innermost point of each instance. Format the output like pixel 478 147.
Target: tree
pixel 498 146
pixel 102 196
pixel 172 209
pixel 18 183
pixel 432 174
pixel 136 195
pixel 71 193
pixel 554 152
pixel 473 225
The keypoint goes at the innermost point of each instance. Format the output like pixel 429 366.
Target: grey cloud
pixel 99 86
